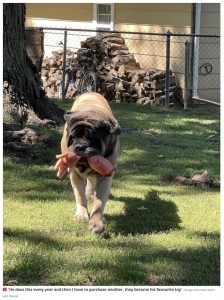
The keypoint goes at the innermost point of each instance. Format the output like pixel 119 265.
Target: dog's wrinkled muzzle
pixel 84 151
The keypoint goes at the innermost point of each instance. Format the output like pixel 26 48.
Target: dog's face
pixel 90 134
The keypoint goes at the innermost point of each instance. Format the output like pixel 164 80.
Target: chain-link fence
pixel 147 68
pixel 198 69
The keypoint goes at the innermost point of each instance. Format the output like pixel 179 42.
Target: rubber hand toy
pixel 67 161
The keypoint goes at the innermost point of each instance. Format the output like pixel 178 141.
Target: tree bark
pixel 22 93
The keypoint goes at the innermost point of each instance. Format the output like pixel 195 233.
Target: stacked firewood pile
pixel 120 78
pixel 51 73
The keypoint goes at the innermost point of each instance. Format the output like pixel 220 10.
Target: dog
pixel 91 129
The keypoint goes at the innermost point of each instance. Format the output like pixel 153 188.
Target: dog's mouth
pixel 82 165
pixel 84 151
pixel 82 162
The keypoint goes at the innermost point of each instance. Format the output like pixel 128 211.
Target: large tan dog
pixel 91 129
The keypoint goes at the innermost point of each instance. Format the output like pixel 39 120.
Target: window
pixel 104 16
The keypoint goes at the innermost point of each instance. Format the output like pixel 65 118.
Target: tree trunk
pixel 23 95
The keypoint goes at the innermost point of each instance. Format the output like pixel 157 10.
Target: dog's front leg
pixel 90 187
pixel 78 185
pixel 102 190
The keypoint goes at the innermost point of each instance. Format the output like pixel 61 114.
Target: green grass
pixel 157 232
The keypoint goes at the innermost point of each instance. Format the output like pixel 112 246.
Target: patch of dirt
pixel 24 144
pixel 197 180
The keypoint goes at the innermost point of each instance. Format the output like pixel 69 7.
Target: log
pixel 157 75
pixel 44 78
pixel 44 72
pixel 120 52
pixel 114 39
pixel 114 46
pixel 18 146
pixel 144 101
pixel 104 35
pixel 160 84
pixel 121 71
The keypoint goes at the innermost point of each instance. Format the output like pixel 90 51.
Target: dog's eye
pixel 78 132
pixel 88 132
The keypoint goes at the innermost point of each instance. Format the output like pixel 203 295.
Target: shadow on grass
pixel 30 270
pixel 156 265
pixel 142 216
pixel 142 264
pixel 34 236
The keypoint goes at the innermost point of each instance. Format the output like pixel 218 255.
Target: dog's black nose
pixel 79 148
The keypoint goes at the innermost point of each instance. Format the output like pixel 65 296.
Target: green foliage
pixel 158 232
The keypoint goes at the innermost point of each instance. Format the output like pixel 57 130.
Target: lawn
pixel 157 231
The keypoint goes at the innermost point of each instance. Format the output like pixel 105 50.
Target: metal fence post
pixel 64 65
pixel 167 84
pixel 186 74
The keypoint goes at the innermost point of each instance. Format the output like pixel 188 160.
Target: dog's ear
pixel 69 116
pixel 73 117
pixel 115 127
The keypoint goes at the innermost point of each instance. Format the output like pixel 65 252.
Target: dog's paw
pixel 81 214
pixel 96 225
